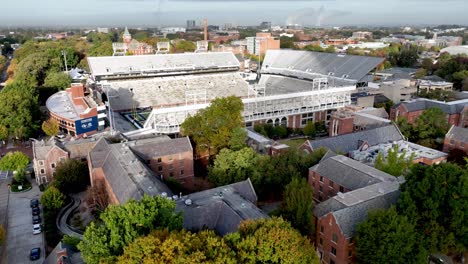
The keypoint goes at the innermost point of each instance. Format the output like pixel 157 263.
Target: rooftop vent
pixel 188 202
pixel 340 194
pixel 175 197
pixel 164 194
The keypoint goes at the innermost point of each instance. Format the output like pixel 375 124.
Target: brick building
pixel 262 42
pixel 339 174
pixel 48 154
pixel 353 118
pixel 132 46
pixel 456 111
pixel 168 158
pixel 338 217
pixel 456 138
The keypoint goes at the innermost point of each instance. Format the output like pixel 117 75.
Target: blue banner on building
pixel 86 125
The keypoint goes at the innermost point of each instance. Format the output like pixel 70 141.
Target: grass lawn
pixel 293 143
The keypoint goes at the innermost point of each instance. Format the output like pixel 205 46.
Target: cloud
pixel 321 15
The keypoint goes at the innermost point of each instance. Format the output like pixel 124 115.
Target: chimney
pixel 205 29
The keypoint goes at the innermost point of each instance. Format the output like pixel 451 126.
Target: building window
pixel 52 165
pixel 181 172
pixel 452 141
pixel 305 118
pixel 322 228
pixel 342 189
pixel 335 238
pixel 160 168
pixel 331 193
pixel 159 160
pixel 171 174
pixel 331 261
pixel 350 253
pixel 331 184
pixel 333 251
pixel 321 241
pixel 320 197
pixel 42 171
pixel 321 179
pixel 41 163
pixel 313 184
pixel 320 188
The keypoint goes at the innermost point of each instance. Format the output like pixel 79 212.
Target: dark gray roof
pixel 76 149
pixel 220 209
pixel 423 104
pixel 351 66
pixel 127 176
pixel 458 133
pixel 349 173
pixel 350 142
pixel 351 208
pixel 161 148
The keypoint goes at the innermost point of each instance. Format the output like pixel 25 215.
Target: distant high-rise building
pixel 265 25
pixel 191 24
pixel 262 42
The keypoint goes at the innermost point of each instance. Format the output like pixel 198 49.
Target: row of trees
pixel 150 230
pixel 430 217
pixel 451 68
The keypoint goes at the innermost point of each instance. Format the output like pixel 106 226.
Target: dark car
pixel 35 254
pixel 34 203
pixel 36 219
pixel 36 211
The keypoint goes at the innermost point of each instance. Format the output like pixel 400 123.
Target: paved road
pixel 20 239
pixel 4 193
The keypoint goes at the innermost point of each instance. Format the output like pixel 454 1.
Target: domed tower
pixel 127 38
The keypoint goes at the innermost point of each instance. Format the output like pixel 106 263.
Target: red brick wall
pixel 174 164
pixel 448 146
pixel 326 228
pixel 52 158
pixel 323 189
pixel 345 126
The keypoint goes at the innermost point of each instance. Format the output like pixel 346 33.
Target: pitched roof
pixel 349 173
pixel 423 104
pixel 127 176
pixel 458 133
pixel 221 209
pixel 351 208
pixel 162 148
pixel 352 141
pixel 76 149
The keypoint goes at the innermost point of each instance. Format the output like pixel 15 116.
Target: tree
pixel 52 199
pixel 434 198
pixel 19 109
pixel 2 235
pixel 178 247
pixel 14 161
pixel 428 64
pixel 298 204
pixel 394 164
pixel 309 129
pixel 420 73
pixel 270 241
pixel 430 125
pixel 233 166
pixel 185 46
pixel 386 237
pixel 330 49
pixel 214 127
pixel 3 132
pixel 71 176
pixel 97 197
pixel 71 241
pixel 238 139
pixel 33 69
pixel 122 224
pixel 57 80
pixel 50 127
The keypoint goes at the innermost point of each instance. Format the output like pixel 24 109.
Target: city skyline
pixel 237 12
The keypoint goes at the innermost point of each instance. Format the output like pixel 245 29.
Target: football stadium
pixel 158 92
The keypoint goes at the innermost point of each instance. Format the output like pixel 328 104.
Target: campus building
pixel 261 43
pixel 456 138
pixel 76 111
pixel 131 46
pixel 354 118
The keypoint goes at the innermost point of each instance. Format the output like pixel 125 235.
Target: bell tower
pixel 127 38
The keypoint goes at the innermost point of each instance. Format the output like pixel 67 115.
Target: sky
pixel 237 12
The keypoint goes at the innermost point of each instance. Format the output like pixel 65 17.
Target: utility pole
pixel 64 53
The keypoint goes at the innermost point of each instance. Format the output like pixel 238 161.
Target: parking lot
pixel 20 239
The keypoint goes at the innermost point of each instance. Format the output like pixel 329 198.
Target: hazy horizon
pixel 156 13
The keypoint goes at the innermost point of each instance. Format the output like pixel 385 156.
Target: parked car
pixel 34 203
pixel 36 211
pixel 36 219
pixel 37 229
pixel 35 254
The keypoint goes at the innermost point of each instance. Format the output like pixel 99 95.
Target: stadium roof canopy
pixel 162 64
pixel 310 65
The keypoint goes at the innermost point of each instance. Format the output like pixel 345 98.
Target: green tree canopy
pixel 214 127
pixel 430 125
pixel 122 224
pixel 52 199
pixel 309 129
pixel 270 241
pixel 3 132
pixel 386 237
pixel 394 163
pixel 57 80
pixel 14 161
pixel 233 166
pixel 178 247
pixel 71 176
pixel 50 127
pixel 435 198
pixel 298 204
pixel 19 110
